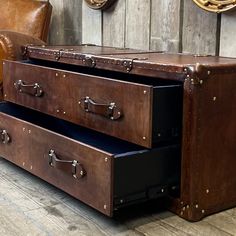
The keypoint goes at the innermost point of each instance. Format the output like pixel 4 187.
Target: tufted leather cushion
pixel 26 16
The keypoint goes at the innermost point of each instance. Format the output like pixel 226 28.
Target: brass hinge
pixel 57 54
pixel 88 60
pixel 128 64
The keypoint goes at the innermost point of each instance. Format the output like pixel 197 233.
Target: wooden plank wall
pixel 163 25
pixel 66 23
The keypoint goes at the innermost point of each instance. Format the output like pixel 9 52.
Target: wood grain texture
pixel 56 33
pixel 165 25
pixel 227 41
pixel 91 25
pixel 73 22
pixel 199 30
pixel 114 25
pixel 29 206
pixel 159 24
pixel 66 24
pixel 137 24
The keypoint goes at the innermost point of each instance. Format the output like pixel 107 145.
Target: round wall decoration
pixel 216 5
pixel 99 4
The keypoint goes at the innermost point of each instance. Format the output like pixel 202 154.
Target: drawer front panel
pixel 80 170
pixel 117 108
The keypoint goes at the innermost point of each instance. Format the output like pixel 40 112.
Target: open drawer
pixel 101 171
pixel 132 109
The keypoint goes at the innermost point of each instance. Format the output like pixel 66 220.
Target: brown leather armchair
pixel 22 22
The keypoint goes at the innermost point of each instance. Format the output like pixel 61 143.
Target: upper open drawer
pixel 142 112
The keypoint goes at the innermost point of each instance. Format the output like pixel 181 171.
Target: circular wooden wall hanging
pixel 216 5
pixel 99 4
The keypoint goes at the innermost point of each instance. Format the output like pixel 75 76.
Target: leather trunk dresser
pixel 115 127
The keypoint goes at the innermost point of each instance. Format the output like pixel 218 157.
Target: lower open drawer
pixel 101 171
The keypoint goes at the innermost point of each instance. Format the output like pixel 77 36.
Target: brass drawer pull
pixel 31 89
pixel 73 168
pixel 110 111
pixel 5 138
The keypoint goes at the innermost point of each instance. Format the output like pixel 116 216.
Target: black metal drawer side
pixel 145 175
pixel 167 114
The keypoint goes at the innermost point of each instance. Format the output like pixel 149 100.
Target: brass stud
pixel 23 164
pixel 121 201
pixel 145 92
pixel 58 111
pixel 181 213
pixel 196 206
pixel 56 74
pixel 3 63
pixel 208 72
pixel 214 99
pixel 64 112
pixel 81 173
pixel 5 95
pixel 23 129
pixel 31 167
pixel 207 191
pixel 162 190
pixel 106 159
pixel 201 81
pixel 29 131
pixel 203 211
pixel 187 206
pixel 64 76
pixel 182 203
pixel 105 207
pixel 144 138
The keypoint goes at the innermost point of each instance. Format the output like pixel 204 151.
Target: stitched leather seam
pixel 7 46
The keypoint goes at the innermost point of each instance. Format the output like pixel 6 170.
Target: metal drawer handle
pixel 31 89
pixel 110 111
pixel 73 168
pixel 5 138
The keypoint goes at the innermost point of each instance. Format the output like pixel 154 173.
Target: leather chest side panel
pixel 208 180
pixel 215 142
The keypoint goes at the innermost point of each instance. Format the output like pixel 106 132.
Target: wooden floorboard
pixel 29 206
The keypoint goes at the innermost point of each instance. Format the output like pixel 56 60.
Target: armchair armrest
pixel 11 42
pixel 10 47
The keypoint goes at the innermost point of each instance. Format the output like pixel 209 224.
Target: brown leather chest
pixel 114 127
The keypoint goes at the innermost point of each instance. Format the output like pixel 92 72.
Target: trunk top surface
pixel 87 49
pixel 139 56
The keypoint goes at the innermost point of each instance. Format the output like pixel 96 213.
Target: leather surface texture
pixel 22 22
pixel 28 17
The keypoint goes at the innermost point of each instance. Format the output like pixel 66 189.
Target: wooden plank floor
pixel 29 206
